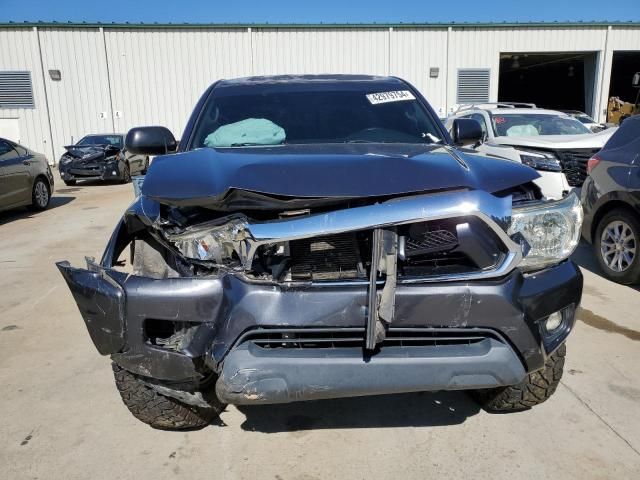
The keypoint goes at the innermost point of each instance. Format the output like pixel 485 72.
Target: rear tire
pixel 69 183
pixel 40 194
pixel 535 389
pixel 159 411
pixel 627 222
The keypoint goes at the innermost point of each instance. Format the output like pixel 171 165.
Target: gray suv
pixel 25 177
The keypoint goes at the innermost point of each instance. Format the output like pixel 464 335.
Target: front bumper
pixel 221 310
pixel 108 170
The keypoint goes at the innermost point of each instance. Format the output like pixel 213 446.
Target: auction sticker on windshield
pixel 386 97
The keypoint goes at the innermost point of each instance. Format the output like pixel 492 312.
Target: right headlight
pixel 548 232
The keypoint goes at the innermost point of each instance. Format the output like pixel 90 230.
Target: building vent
pixel 16 90
pixel 473 85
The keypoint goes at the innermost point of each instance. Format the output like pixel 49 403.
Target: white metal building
pixel 60 81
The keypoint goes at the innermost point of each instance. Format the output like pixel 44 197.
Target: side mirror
pixel 150 141
pixel 466 131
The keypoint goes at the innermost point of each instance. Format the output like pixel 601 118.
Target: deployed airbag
pixel 252 131
pixel 522 131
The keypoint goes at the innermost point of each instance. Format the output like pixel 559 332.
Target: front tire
pixel 40 194
pixel 159 411
pixel 535 389
pixel 126 173
pixel 616 246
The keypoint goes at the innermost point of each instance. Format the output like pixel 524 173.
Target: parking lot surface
pixel 62 416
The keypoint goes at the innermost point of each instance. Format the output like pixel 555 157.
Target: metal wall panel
pixel 78 103
pixel 413 52
pixel 136 76
pixel 312 50
pixel 481 47
pixel 157 76
pixel 19 51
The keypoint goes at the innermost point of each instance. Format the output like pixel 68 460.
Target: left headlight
pixel 549 232
pixel 216 242
pixel 546 161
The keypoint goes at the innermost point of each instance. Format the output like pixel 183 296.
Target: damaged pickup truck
pixel 318 237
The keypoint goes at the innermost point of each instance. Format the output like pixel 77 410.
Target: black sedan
pixel 611 202
pixel 100 157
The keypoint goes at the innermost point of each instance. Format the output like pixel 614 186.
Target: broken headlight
pixel 548 232
pixel 216 242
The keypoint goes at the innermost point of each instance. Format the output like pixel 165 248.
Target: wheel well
pixel 606 208
pixel 46 181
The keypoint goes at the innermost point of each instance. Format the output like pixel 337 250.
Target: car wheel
pixel 616 246
pixel 126 174
pixel 159 411
pixel 535 389
pixel 69 183
pixel 40 195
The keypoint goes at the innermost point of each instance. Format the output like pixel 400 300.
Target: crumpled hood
pixel 270 177
pixel 558 142
pixel 90 152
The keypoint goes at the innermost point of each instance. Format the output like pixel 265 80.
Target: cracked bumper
pixel 105 171
pixel 115 307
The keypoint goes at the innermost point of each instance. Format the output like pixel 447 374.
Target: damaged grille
pixel 354 337
pixel 425 249
pixel 334 257
pixel 574 164
pixel 431 241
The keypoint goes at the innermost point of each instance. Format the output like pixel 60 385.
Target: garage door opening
pixel 623 66
pixel 559 81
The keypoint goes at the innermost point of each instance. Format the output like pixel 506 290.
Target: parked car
pixel 555 144
pixel 611 201
pixel 25 177
pixel 586 120
pixel 100 157
pixel 321 237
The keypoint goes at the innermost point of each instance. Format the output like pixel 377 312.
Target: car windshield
pixel 585 119
pixel 115 140
pixel 314 117
pixel 527 125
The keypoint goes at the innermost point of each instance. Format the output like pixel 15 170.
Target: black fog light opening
pixel 556 326
pixel 168 334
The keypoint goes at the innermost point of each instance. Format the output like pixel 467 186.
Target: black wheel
pixel 162 412
pixel 40 194
pixel 126 173
pixel 616 246
pixel 535 389
pixel 69 183
pixel 145 167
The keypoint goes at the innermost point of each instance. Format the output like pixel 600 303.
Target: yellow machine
pixel 618 110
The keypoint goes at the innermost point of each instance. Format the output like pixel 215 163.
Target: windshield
pixel 312 117
pixel 585 119
pixel 115 140
pixel 527 125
